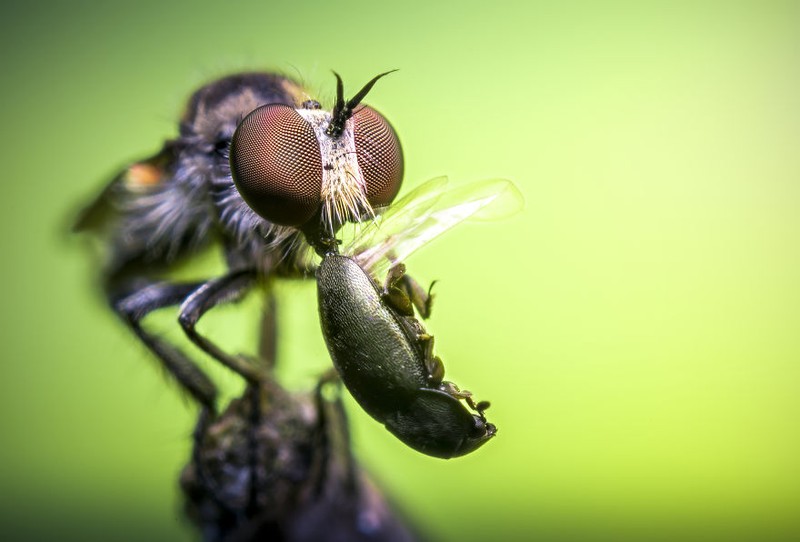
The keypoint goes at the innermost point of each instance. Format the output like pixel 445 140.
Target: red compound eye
pixel 379 154
pixel 276 165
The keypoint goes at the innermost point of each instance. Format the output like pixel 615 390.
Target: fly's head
pixel 315 169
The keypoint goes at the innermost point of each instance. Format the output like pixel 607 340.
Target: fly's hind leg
pixel 134 306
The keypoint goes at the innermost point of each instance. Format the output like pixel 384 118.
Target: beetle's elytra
pixel 385 361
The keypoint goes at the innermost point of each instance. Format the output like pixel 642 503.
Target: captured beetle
pixel 255 161
pixel 385 360
pixel 383 354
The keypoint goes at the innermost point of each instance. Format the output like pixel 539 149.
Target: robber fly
pixel 255 164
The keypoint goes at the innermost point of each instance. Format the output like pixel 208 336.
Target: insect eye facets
pixel 379 154
pixel 276 165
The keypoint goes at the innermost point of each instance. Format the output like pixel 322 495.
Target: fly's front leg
pixel 404 293
pixel 216 292
pixel 134 306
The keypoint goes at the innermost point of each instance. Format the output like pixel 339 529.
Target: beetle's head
pixel 436 423
pixel 297 165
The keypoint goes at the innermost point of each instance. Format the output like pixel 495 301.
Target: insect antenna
pixel 344 110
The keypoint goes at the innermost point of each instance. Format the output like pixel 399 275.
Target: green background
pixel 636 327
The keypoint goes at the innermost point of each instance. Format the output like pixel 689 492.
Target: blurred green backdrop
pixel 636 327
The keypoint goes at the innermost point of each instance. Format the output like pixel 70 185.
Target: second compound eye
pixel 380 156
pixel 276 165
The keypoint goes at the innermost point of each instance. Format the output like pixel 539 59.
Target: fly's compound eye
pixel 276 165
pixel 379 154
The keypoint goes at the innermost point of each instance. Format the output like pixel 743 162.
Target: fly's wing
pixel 140 177
pixel 157 210
pixel 397 217
pixel 425 214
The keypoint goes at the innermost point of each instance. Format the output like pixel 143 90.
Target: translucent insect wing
pixel 397 217
pixel 426 213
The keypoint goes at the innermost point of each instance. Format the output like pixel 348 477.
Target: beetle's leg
pixel 393 294
pixel 395 273
pixel 433 364
pixel 466 396
pixel 478 407
pixel 453 390
pixel 135 306
pixel 404 293
pixel 426 340
pixel 215 292
pixel 435 369
pixel 422 299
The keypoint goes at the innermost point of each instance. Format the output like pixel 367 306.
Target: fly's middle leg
pixel 215 292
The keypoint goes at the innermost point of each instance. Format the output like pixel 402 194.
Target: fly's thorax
pixel 215 109
pixel 344 189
